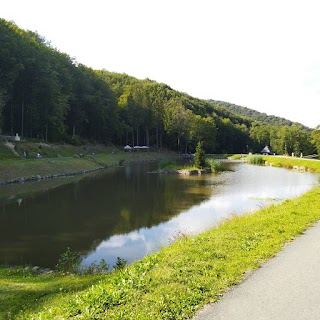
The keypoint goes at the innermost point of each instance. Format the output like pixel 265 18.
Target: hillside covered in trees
pixel 45 94
pixel 256 115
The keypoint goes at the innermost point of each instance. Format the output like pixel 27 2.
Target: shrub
pixel 69 262
pixel 215 165
pixel 255 159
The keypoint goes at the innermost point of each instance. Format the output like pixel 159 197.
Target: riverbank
pixel 293 163
pixel 171 284
pixel 17 170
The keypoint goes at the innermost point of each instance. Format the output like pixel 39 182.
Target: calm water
pixel 129 212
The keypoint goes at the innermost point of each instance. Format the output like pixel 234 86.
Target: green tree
pixel 315 135
pixel 199 156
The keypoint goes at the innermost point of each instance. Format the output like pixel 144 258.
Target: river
pixel 130 212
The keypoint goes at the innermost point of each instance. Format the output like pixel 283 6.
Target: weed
pixel 215 165
pixel 69 262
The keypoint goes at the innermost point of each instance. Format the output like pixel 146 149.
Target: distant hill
pixel 256 115
pixel 46 95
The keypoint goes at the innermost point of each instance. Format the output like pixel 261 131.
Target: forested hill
pixel 256 115
pixel 45 94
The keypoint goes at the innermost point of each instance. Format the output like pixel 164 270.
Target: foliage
pixel 120 263
pixel 214 165
pixel 47 95
pixel 199 157
pixel 255 115
pixel 175 282
pixel 255 159
pixel 315 136
pixel 69 262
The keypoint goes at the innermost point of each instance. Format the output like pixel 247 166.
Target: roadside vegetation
pixel 171 284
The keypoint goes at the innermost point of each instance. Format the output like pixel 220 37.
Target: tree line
pixel 45 94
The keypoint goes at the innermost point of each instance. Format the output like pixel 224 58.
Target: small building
pixel 267 151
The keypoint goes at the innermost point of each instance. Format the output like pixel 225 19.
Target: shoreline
pixel 194 268
pixel 24 171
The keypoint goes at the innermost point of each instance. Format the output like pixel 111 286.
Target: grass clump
pixel 255 159
pixel 178 280
pixel 214 165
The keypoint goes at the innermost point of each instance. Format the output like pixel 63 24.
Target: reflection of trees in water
pixel 77 214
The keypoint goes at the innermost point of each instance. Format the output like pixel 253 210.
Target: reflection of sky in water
pixel 247 188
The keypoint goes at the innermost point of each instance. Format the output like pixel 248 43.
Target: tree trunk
pixel 137 135
pixel 46 133
pixel 132 132
pixel 11 116
pixel 157 137
pixel 22 116
pixel 147 137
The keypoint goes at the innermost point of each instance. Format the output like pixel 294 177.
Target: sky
pixel 264 55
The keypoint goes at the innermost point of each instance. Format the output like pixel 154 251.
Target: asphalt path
pixel 287 287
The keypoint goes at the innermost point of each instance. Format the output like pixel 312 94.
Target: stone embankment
pixel 57 175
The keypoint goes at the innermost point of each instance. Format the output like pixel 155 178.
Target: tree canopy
pixel 47 95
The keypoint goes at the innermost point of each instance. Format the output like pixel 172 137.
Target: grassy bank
pixel 91 158
pixel 171 284
pixel 291 162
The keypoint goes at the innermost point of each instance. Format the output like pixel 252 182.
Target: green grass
pixel 13 169
pixel 218 156
pixel 237 156
pixel 21 291
pixel 290 162
pixel 173 283
pixel 6 153
pixel 255 159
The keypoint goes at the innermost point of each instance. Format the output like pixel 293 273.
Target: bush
pixel 255 159
pixel 215 165
pixel 69 262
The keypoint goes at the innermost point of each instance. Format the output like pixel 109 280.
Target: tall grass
pixel 214 165
pixel 255 159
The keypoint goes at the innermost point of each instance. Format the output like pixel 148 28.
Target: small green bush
pixel 255 159
pixel 69 262
pixel 215 165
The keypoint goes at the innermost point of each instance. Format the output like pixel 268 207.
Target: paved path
pixel 287 287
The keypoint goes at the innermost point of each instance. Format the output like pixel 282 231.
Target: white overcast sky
pixel 264 55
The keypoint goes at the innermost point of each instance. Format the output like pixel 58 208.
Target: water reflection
pixel 80 214
pixel 247 188
pixel 128 212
